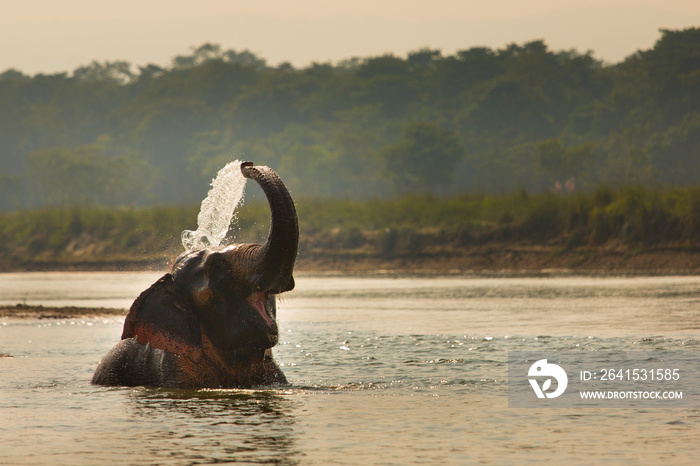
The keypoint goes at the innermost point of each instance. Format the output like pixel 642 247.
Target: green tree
pixel 424 160
pixel 526 115
pixel 118 71
pixel 558 163
pixel 81 176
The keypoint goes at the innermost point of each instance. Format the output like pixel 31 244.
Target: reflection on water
pixel 391 371
pixel 241 426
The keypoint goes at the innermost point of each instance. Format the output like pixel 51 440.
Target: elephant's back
pixel 132 364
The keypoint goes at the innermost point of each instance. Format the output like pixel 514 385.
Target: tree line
pixel 480 120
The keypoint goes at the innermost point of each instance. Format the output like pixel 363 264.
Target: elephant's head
pixel 234 289
pixel 216 310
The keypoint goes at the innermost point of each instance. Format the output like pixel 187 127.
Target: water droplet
pixel 217 209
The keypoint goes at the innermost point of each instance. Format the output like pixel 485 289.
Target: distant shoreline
pixel 505 259
pixel 484 259
pixel 23 311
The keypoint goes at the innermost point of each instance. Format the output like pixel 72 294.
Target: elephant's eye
pixel 219 274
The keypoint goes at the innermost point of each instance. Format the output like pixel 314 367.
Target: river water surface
pixel 382 370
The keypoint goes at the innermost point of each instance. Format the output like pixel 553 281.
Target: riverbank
pixel 630 230
pixel 23 311
pixel 479 259
pixel 513 258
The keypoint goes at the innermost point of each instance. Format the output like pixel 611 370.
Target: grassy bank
pixel 419 232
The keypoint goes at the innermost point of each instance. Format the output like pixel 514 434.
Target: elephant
pixel 212 320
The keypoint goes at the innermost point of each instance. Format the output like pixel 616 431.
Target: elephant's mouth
pixel 257 301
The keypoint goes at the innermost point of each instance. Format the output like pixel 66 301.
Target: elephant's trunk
pixel 277 256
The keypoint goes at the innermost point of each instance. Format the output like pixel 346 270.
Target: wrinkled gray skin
pixel 211 321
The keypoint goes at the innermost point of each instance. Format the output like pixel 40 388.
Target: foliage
pixel 632 216
pixel 480 120
pixel 82 177
pixel 424 160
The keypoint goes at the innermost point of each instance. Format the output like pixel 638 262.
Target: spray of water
pixel 218 209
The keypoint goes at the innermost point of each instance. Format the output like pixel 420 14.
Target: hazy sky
pixel 60 35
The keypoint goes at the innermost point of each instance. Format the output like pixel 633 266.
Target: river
pixel 383 370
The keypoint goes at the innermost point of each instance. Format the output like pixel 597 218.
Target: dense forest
pixel 491 121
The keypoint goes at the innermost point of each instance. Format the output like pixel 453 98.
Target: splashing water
pixel 218 209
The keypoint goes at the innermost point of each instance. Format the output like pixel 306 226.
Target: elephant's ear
pixel 160 318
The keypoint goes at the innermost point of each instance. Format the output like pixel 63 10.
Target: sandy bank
pixel 479 259
pixel 508 258
pixel 21 311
